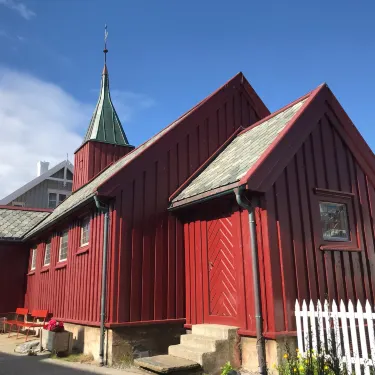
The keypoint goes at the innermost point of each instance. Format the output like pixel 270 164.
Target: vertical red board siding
pixel 156 248
pixel 92 157
pixel 291 209
pixel 13 268
pixel 216 260
pixel 69 290
pixel 146 279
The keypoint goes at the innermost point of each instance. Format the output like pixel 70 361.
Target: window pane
pixel 63 254
pixel 334 221
pixel 52 200
pixel 62 197
pixel 47 255
pixel 33 259
pixel 85 231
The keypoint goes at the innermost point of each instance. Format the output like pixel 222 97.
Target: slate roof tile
pixel 239 155
pixel 14 224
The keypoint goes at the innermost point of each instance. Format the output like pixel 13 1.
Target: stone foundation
pixel 87 340
pixel 129 343
pixel 275 349
pixel 124 344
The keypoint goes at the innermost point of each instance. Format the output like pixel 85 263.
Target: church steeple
pixel 105 141
pixel 105 125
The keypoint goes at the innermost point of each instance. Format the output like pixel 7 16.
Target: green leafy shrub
pixel 226 369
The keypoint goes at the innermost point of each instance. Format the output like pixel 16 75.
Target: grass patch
pixel 74 357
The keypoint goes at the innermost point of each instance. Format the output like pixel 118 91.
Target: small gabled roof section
pixel 81 197
pixel 36 181
pixel 232 163
pixel 105 125
pixel 15 222
pixel 255 157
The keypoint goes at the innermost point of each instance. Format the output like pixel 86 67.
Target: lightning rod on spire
pixel 105 43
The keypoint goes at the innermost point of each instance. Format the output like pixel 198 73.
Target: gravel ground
pixel 16 364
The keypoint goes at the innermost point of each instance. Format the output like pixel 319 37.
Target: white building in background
pixel 47 190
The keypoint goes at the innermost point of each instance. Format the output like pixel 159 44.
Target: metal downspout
pixel 249 206
pixel 105 209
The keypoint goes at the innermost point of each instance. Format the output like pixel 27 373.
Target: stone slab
pixel 166 364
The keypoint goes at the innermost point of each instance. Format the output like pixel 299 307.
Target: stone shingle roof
pixel 14 224
pixel 239 155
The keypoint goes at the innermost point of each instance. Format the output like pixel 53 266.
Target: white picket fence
pixel 352 332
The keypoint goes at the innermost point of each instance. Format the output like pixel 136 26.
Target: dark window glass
pixel 334 221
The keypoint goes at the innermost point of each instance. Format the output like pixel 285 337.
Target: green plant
pixel 319 362
pixel 226 369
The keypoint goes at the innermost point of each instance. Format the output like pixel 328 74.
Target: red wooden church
pixel 225 217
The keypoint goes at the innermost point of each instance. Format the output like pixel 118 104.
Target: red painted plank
pixel 136 275
pixel 199 271
pixel 274 291
pixel 193 270
pixel 317 178
pixel 296 217
pixel 285 245
pixel 356 257
pixel 344 185
pixel 189 275
pixel 171 239
pixel 333 184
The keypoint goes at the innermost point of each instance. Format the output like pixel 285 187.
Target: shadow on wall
pixel 79 340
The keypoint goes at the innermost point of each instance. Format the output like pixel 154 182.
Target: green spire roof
pixel 105 125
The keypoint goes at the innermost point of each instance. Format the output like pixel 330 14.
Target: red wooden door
pixel 223 279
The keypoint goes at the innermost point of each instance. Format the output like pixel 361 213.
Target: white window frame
pixel 67 244
pixel 57 192
pixel 48 243
pixel 33 258
pixel 86 218
pixel 18 204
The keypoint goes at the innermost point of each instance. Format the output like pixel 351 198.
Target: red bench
pixel 36 315
pixel 20 313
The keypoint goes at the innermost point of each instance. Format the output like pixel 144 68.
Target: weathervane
pixel 105 43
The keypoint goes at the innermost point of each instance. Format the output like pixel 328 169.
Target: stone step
pixel 192 354
pixel 208 344
pixel 167 364
pixel 215 330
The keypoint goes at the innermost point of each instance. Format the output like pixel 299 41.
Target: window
pixel 334 220
pixel 47 254
pixel 63 252
pixel 336 223
pixel 33 259
pixel 85 231
pixel 52 200
pixel 18 204
pixel 55 197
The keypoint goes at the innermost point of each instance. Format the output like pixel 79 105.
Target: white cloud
pixel 38 121
pixel 20 8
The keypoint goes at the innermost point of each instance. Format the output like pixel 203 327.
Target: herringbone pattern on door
pixel 222 279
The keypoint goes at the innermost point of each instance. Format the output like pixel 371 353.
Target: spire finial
pixel 105 44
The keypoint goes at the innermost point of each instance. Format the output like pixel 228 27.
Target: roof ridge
pixel 280 110
pixel 31 209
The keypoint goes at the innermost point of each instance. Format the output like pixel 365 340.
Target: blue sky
pixel 164 56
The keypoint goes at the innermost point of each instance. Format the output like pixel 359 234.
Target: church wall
pixel 147 268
